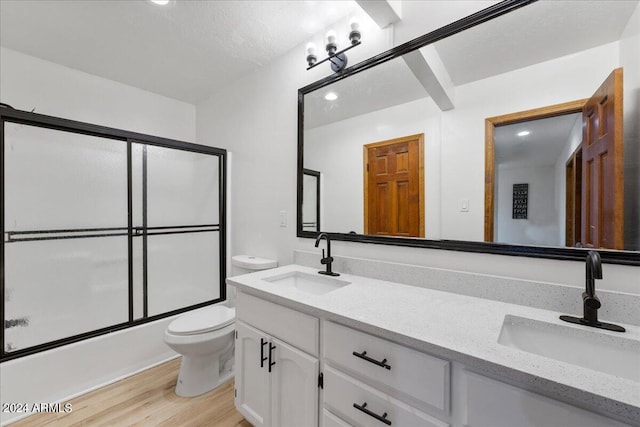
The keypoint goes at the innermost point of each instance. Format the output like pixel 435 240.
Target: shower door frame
pixel 10 115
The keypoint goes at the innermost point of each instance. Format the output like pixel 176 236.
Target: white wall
pixel 541 225
pixel 29 83
pixel 336 150
pixel 256 118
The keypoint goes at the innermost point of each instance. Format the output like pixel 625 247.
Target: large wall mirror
pixel 513 131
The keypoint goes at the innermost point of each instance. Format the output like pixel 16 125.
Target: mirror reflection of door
pixel 310 200
pixel 573 199
pixel 394 187
pixel 571 156
pixel 602 166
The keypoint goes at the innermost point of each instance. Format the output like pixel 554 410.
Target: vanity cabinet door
pixel 252 397
pixel 276 384
pixel 294 387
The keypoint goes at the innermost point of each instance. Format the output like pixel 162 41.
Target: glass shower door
pixel 181 216
pixel 65 234
pixel 103 229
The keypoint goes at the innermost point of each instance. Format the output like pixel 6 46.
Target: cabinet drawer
pixel 330 420
pixel 292 327
pixel 342 393
pixel 410 375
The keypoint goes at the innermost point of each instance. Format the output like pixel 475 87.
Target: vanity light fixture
pixel 523 133
pixel 337 58
pixel 160 2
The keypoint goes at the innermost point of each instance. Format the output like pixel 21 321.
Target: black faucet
pixel 328 259
pixel 590 301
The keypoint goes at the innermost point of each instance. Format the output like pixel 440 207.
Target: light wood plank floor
pixel 146 399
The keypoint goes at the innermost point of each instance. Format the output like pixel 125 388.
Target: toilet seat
pixel 203 320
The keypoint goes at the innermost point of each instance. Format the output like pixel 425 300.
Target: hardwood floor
pixel 146 399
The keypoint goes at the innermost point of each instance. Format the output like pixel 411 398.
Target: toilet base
pixel 199 375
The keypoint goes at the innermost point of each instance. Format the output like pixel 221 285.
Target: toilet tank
pixel 244 264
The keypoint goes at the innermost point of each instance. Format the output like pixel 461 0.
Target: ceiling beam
pixel 383 12
pixel 430 71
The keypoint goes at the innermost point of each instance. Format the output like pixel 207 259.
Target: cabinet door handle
pixel 271 363
pixel 382 363
pixel 364 409
pixel 263 342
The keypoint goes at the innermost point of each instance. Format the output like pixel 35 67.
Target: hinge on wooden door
pixel 235 392
pixel 367 167
pixel 321 381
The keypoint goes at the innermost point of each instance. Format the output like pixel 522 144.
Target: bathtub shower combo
pixel 103 229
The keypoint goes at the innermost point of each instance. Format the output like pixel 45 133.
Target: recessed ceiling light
pixel 523 133
pixel 331 96
pixel 160 2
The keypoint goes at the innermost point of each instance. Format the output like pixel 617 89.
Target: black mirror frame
pixel 559 253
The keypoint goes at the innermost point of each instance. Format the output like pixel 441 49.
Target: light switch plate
pixel 283 218
pixel 464 205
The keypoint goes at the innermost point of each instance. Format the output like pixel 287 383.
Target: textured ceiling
pixel 186 50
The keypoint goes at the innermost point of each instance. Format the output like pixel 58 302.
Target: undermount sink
pixel 604 352
pixel 310 283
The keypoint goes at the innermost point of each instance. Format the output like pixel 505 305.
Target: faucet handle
pixel 327 260
pixel 593 302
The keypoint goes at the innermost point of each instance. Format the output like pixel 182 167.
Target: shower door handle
pixel 271 348
pixel 263 342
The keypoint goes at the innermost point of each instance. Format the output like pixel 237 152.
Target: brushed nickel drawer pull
pixel 363 355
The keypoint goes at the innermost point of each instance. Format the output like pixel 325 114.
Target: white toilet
pixel 204 337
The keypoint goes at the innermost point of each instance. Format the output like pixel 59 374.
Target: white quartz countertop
pixel 457 327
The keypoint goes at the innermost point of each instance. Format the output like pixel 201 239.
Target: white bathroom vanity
pixel 314 350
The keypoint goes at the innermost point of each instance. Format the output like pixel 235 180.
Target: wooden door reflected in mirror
pixel 394 187
pixel 576 145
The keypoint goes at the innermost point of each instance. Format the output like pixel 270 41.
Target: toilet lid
pixel 202 320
